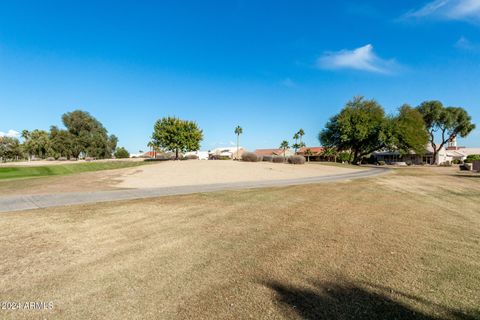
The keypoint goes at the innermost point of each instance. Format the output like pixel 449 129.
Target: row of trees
pixel 362 127
pixel 83 136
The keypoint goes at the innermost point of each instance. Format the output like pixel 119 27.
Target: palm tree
pixel 301 133
pixel 308 153
pixel 26 136
pixel 296 136
pixel 238 132
pixel 284 145
pixel 151 146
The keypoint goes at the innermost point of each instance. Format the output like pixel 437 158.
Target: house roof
pixel 315 150
pixel 268 152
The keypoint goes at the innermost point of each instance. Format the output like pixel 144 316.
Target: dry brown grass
pixel 405 245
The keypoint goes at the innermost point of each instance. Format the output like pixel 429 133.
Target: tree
pixel 112 144
pixel 10 149
pixel 308 153
pixel 330 153
pixel 301 133
pixel 408 131
pixel 176 135
pixel 89 136
pixel 447 123
pixel 121 153
pixel 296 145
pixel 38 143
pixel 284 145
pixel 360 128
pixel 238 132
pixel 151 146
pixel 62 142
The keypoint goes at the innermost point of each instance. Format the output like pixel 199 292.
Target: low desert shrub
pixel 50 159
pixel 62 159
pixel 249 157
pixel 191 157
pixel 381 163
pixel 88 159
pixel 296 160
pixel 73 159
pixel 267 158
pixel 278 159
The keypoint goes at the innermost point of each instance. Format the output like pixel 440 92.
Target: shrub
pixel 249 157
pixel 296 160
pixel 446 164
pixel 278 159
pixel 121 153
pixel 457 161
pixel 88 159
pixel 260 158
pixel 409 162
pixel 267 158
pixel 472 157
pixel 62 159
pixel 50 159
pixel 73 159
pixel 381 163
pixel 191 157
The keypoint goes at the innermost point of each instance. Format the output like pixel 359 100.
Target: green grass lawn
pixel 9 173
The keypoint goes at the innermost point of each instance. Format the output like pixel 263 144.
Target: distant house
pixel 445 155
pixel 316 153
pixel 230 152
pixel 202 155
pixel 273 152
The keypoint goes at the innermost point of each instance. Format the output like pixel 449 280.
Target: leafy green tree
pixel 238 132
pixel 61 141
pixel 176 135
pixel 284 146
pixel 89 136
pixel 37 143
pixel 360 128
pixel 445 123
pixel 408 131
pixel 121 153
pixel 10 149
pixel 112 144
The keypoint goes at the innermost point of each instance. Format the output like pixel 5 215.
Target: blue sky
pixel 270 66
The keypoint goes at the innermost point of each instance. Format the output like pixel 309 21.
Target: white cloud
pixel 363 58
pixel 11 134
pixel 448 9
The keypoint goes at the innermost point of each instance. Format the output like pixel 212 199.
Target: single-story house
pixel 274 152
pixel 201 155
pixel 445 155
pixel 231 152
pixel 316 153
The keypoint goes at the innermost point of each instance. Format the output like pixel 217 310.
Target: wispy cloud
pixel 287 82
pixel 467 45
pixel 448 9
pixel 363 59
pixel 10 133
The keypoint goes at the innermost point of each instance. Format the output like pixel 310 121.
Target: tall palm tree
pixel 296 136
pixel 151 146
pixel 284 145
pixel 238 132
pixel 301 133
pixel 308 153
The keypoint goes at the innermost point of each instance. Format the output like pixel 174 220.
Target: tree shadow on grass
pixel 349 301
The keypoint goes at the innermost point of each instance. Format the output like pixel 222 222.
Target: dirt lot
pixel 167 174
pixel 404 246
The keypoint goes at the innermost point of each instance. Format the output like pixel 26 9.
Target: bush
pixel 296 160
pixel 278 159
pixel 191 157
pixel 472 157
pixel 88 159
pixel 409 162
pixel 121 153
pixel 381 163
pixel 446 164
pixel 50 159
pixel 457 161
pixel 249 157
pixel 73 159
pixel 267 158
pixel 62 159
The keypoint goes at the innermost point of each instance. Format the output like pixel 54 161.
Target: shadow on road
pixel 349 301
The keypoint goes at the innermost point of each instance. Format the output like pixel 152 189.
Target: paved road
pixel 25 202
